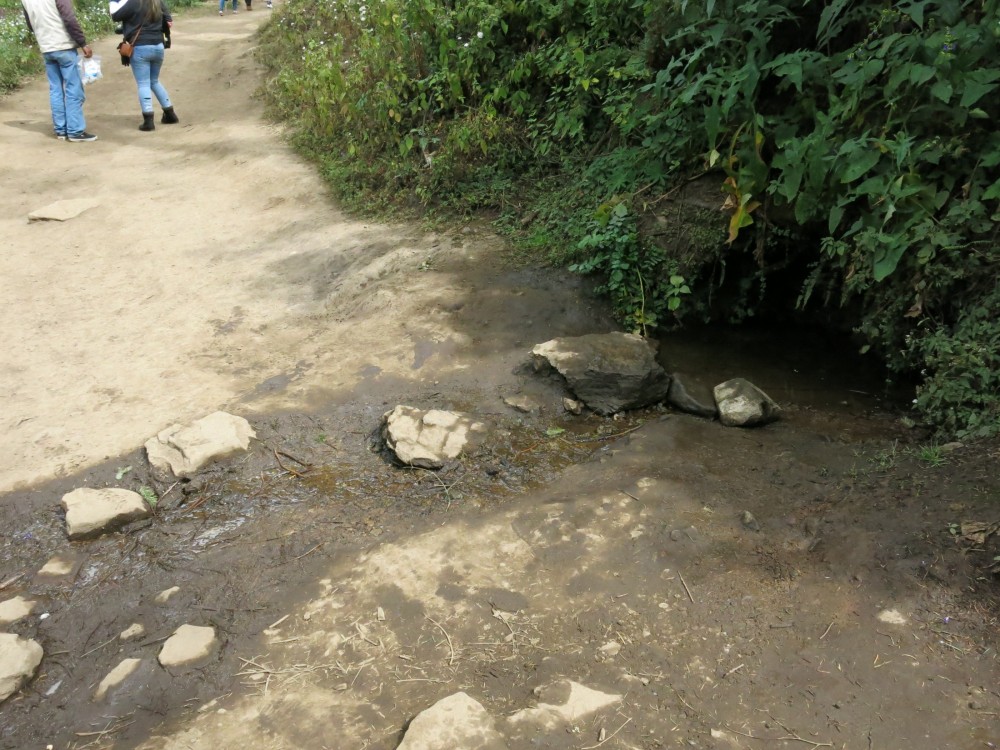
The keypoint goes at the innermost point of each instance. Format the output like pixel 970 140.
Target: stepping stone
pixel 457 722
pixel 62 210
pixel 164 596
pixel 116 677
pixel 188 644
pixel 135 630
pixel 571 702
pixel 14 609
pixel 184 451
pixel 427 439
pixel 92 512
pixel 742 404
pixel 60 566
pixel 19 658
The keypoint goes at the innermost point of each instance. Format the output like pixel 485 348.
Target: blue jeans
pixel 65 92
pixel 147 59
pixel 222 5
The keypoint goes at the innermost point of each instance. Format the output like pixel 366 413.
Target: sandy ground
pixel 349 594
pixel 204 276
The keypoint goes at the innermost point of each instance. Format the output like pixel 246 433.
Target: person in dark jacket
pixel 143 24
pixel 59 35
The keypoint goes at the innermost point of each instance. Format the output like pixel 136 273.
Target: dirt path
pixel 213 271
pixel 351 596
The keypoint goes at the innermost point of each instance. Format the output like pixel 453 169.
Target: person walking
pixel 222 7
pixel 54 24
pixel 143 24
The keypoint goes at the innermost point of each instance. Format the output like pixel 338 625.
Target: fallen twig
pixel 686 589
pixel 11 580
pixel 277 457
pixel 451 659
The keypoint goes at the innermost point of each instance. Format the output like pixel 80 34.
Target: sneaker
pixel 82 137
pixel 235 11
pixel 61 136
pixel 222 13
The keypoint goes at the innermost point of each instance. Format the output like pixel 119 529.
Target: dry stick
pixel 313 549
pixel 296 460
pixel 98 648
pixel 277 458
pixel 825 632
pixel 451 659
pixel 9 581
pixel 685 587
pixel 630 495
pixel 591 747
pixel 791 738
pixel 609 437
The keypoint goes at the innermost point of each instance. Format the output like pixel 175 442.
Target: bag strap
pixel 136 35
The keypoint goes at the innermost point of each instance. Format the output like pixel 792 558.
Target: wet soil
pixel 350 593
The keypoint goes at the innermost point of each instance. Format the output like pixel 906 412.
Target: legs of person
pixel 140 71
pixel 222 7
pixel 159 91
pixel 65 92
pixel 57 97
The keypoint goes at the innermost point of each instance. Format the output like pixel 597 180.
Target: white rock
pixel 611 648
pixel 62 210
pixel 164 596
pixel 184 451
pixel 90 512
pixel 19 658
pixel 742 404
pixel 523 403
pixel 57 567
pixel 188 644
pixel 579 702
pixel 116 677
pixel 892 617
pixel 457 722
pixel 428 438
pixel 135 630
pixel 14 609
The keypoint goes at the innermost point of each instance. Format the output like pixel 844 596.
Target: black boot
pixel 169 116
pixel 147 122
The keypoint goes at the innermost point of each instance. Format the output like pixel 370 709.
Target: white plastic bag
pixel 90 69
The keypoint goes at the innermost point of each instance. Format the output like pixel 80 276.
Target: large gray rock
pixel 427 439
pixel 682 396
pixel 609 372
pixel 457 722
pixel 189 644
pixel 183 451
pixel 90 512
pixel 19 658
pixel 742 404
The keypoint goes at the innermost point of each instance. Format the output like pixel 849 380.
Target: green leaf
pixel 861 162
pixel 886 259
pixel 974 91
pixel 149 496
pixel 920 74
pixel 942 90
pixel 122 472
pixel 554 431
pixel 992 192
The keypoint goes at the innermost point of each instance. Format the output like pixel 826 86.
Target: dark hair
pixel 151 11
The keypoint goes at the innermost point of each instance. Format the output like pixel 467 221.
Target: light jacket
pixel 54 24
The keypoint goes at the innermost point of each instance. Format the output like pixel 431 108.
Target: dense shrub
pixel 854 143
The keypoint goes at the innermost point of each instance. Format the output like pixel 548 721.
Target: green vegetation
pixel 19 55
pixel 852 145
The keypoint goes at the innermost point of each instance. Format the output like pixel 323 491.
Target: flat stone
pixel 575 701
pixel 742 404
pixel 135 630
pixel 58 566
pixel 91 512
pixel 609 372
pixel 164 596
pixel 116 677
pixel 188 644
pixel 184 451
pixel 457 722
pixel 685 395
pixel 427 439
pixel 524 404
pixel 14 609
pixel 573 406
pixel 19 659
pixel 63 210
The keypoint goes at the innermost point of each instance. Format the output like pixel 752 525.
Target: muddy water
pixel 246 543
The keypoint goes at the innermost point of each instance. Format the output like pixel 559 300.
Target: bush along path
pixel 852 149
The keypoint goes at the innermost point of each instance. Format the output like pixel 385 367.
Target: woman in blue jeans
pixel 143 24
